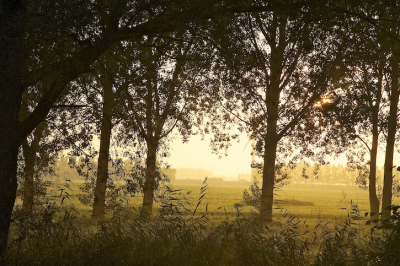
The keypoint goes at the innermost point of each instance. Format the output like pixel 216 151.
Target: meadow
pixel 206 225
pixel 308 202
pixel 304 201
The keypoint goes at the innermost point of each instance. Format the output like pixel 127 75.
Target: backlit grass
pixel 60 236
pixel 310 203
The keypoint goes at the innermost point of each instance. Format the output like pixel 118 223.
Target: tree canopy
pixel 302 78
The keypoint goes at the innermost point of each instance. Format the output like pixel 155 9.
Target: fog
pixel 197 153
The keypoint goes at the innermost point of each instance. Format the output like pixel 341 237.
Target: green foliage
pixel 87 168
pixel 125 181
pixel 252 197
pixel 341 245
pixel 385 248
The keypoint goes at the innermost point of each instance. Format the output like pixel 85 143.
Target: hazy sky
pixel 197 154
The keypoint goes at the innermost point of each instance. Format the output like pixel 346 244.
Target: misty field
pixel 313 225
pixel 310 203
pixel 307 202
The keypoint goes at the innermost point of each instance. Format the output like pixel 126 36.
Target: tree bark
pixel 8 186
pixel 29 153
pixel 272 103
pixel 267 192
pixel 100 189
pixel 12 21
pixel 392 125
pixel 29 170
pixel 270 145
pixel 373 198
pixel 10 141
pixel 149 183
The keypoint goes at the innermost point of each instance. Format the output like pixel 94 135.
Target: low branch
pixel 70 106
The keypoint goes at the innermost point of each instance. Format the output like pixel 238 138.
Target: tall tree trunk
pixel 8 185
pixel 272 103
pixel 267 192
pixel 12 23
pixel 270 145
pixel 29 153
pixel 29 170
pixel 149 183
pixel 98 211
pixel 392 123
pixel 10 141
pixel 373 198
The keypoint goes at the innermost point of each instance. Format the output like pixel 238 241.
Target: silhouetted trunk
pixel 29 170
pixel 29 152
pixel 267 192
pixel 98 211
pixel 149 183
pixel 8 184
pixel 272 102
pixel 373 198
pixel 392 123
pixel 270 145
pixel 12 27
pixel 10 140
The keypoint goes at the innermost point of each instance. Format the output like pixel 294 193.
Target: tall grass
pixel 60 236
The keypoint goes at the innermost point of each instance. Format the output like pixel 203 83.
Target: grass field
pixel 309 203
pixel 308 230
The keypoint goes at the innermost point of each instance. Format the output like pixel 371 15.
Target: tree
pixel 41 148
pixel 372 79
pixel 372 40
pixel 360 113
pixel 165 86
pixel 275 72
pixel 53 43
pixel 383 17
pixel 29 152
pixel 105 134
pixel 391 135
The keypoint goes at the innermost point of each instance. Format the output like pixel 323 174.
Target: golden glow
pixel 326 100
pixel 322 102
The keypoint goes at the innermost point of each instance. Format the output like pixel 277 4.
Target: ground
pixel 310 203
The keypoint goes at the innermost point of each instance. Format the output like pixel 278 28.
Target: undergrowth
pixel 60 236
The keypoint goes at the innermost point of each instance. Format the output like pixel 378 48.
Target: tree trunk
pixel 8 185
pixel 270 145
pixel 12 29
pixel 373 198
pixel 267 193
pixel 272 103
pixel 9 143
pixel 29 170
pixel 149 183
pixel 99 201
pixel 392 123
pixel 13 55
